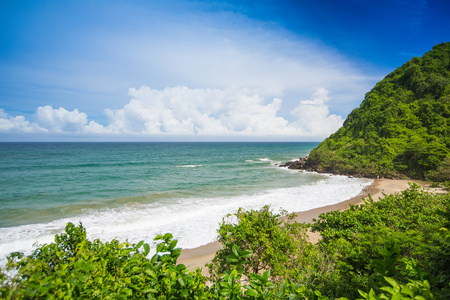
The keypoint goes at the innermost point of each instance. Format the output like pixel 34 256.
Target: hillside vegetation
pixel 402 127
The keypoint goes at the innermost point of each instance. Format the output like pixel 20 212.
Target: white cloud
pixel 60 120
pixel 313 116
pixel 50 121
pixel 215 49
pixel 17 124
pixel 181 111
pixel 63 121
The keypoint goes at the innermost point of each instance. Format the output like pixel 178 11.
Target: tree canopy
pixel 402 127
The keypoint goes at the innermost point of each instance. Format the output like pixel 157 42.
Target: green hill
pixel 402 127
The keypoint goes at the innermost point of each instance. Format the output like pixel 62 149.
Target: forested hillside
pixel 402 127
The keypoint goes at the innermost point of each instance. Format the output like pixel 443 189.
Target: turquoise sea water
pixel 137 190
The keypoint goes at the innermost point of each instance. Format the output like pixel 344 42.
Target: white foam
pixel 259 160
pixel 193 221
pixel 189 166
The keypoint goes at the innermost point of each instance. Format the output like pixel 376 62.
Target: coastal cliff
pixel 401 129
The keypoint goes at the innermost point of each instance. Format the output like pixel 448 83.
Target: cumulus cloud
pixel 18 124
pixel 50 121
pixel 182 111
pixel 313 116
pixel 60 120
pixel 63 121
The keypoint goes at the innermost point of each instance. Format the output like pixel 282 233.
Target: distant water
pixel 135 191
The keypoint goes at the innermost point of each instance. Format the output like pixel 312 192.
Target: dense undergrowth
pixel 397 248
pixel 401 129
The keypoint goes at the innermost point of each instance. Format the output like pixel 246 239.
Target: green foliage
pixel 397 248
pixel 401 236
pixel 274 245
pixel 413 290
pixel 74 267
pixel 402 127
pixel 229 284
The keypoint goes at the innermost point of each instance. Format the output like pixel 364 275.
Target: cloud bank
pixel 233 112
pixel 89 65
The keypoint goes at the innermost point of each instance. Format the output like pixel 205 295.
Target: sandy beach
pixel 198 257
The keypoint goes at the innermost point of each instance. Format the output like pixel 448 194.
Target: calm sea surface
pixel 135 191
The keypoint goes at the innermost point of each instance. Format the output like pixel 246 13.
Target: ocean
pixel 135 191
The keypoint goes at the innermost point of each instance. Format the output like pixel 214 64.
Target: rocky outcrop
pixel 303 165
pixel 297 164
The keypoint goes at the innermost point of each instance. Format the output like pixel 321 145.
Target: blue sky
pixel 200 70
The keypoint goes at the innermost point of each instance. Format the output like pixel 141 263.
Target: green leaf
pixel 168 236
pixel 255 276
pixel 266 275
pixel 246 253
pixel 150 272
pixel 150 290
pixel 392 282
pixel 176 252
pixel 232 259
pixel 406 290
pixel 172 245
pixel 181 281
pixel 235 250
pixel 397 296
pixel 251 293
pixel 184 293
pixel 363 294
pixel 139 244
pixel 83 277
pixel 146 249
pixel 388 289
pixel 155 258
pixel 160 248
pixel 128 291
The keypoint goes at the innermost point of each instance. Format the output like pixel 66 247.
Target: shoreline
pixel 199 256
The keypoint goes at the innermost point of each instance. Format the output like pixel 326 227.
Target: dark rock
pixel 296 165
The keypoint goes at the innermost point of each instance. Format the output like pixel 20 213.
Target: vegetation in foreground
pixel 397 248
pixel 401 129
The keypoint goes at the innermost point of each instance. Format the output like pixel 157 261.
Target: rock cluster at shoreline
pixel 301 164
pixel 297 164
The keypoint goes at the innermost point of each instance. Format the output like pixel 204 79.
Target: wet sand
pixel 198 257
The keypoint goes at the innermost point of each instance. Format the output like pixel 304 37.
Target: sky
pixel 267 70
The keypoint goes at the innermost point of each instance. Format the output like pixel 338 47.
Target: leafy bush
pixel 74 267
pixel 415 289
pixel 397 248
pixel 273 243
pixel 401 236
